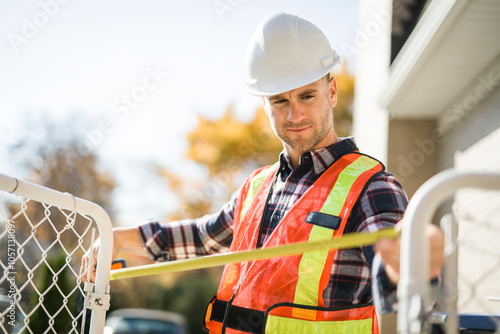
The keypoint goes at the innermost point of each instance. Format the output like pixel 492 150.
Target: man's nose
pixel 295 113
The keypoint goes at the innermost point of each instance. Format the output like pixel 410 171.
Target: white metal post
pixel 449 225
pixel 413 287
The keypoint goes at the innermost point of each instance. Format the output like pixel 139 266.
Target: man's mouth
pixel 298 130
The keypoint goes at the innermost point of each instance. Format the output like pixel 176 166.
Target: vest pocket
pixel 323 220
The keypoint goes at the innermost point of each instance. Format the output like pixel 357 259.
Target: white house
pixel 427 99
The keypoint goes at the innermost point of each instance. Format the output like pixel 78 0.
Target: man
pixel 320 188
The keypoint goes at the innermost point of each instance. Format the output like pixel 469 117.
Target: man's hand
pixel 436 242
pixel 126 239
pixel 389 250
pixel 90 259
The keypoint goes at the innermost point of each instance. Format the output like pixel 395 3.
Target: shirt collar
pixel 322 158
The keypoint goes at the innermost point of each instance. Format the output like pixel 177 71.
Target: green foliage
pixel 56 303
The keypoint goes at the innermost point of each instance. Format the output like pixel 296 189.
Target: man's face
pixel 302 118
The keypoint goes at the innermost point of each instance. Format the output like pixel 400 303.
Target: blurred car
pixel 142 321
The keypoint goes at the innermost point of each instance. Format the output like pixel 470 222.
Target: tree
pixel 59 160
pixel 229 144
pixel 229 149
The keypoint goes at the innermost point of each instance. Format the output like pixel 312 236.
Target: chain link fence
pixel 478 216
pixel 43 236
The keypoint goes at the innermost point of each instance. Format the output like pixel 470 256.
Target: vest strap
pixel 239 318
pixel 257 322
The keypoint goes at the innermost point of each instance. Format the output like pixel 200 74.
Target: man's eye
pixel 307 97
pixel 280 101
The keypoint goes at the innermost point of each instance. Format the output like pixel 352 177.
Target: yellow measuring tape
pixel 350 240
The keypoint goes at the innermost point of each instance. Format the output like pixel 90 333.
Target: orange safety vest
pixel 285 294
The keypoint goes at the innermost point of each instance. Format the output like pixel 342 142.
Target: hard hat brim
pixel 293 82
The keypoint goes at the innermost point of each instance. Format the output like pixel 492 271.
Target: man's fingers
pixel 389 252
pixel 92 274
pixel 436 243
pixel 86 262
pixel 388 249
pixel 83 267
pixel 90 259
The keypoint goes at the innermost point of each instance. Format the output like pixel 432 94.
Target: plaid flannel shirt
pixel 382 205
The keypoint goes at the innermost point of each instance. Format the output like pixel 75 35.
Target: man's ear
pixel 332 91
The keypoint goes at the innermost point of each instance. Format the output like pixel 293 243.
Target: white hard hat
pixel 287 52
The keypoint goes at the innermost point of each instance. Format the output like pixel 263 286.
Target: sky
pixel 133 76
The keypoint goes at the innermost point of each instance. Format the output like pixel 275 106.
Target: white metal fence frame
pixel 100 296
pixel 413 287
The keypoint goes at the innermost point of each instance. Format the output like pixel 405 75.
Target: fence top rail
pixel 49 196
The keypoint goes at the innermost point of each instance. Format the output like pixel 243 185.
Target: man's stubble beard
pixel 302 144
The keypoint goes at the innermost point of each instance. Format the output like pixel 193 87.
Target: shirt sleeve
pixel 189 238
pixel 382 205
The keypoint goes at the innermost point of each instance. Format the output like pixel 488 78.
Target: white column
pixel 372 44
